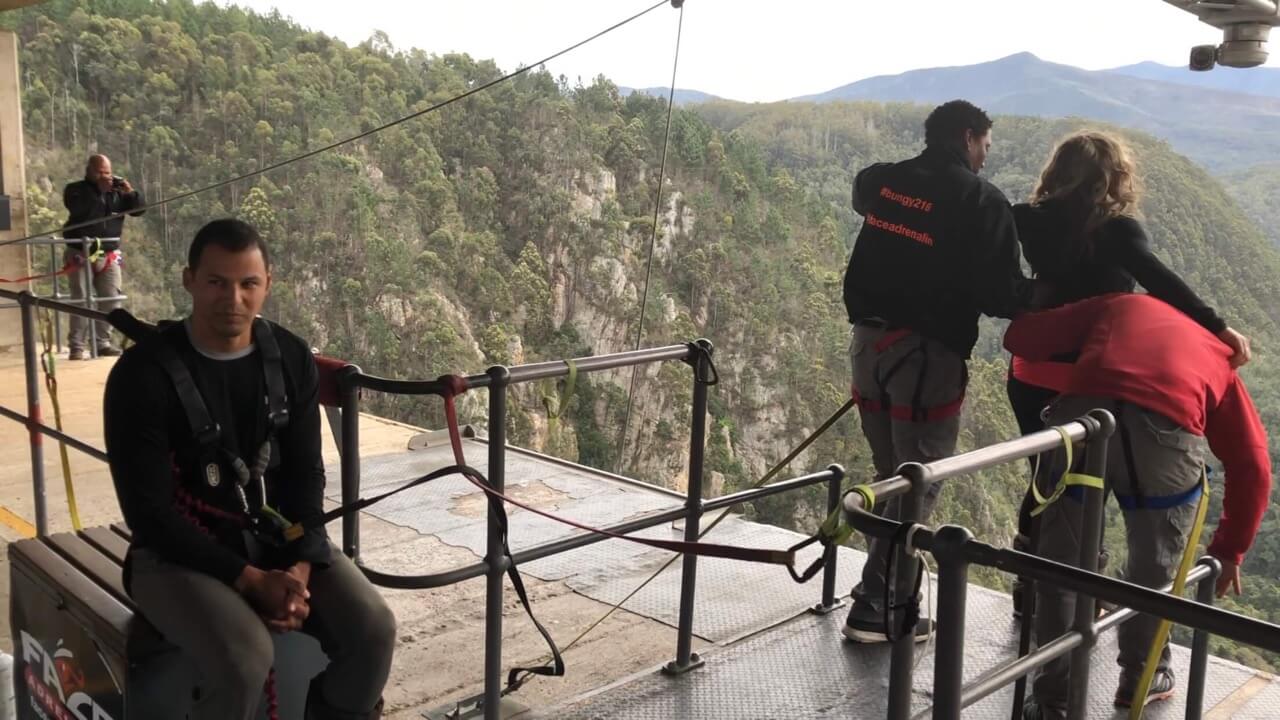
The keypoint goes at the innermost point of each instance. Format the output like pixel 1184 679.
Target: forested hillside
pixel 514 227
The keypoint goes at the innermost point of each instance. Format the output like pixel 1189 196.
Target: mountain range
pixel 1220 129
pixel 1226 119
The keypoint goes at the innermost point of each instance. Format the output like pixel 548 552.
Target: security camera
pixel 1203 57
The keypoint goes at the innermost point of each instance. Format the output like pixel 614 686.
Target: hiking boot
pixel 1162 687
pixel 1019 591
pixel 108 351
pixel 1033 710
pixel 872 631
pixel 78 354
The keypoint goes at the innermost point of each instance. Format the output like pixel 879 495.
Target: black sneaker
pixel 1033 710
pixel 1018 592
pixel 108 351
pixel 872 631
pixel 1162 687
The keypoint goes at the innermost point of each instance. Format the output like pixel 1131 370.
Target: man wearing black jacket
pixel 937 249
pixel 97 197
pixel 196 567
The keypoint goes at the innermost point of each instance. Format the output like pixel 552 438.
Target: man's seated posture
pixel 206 566
pixel 1170 385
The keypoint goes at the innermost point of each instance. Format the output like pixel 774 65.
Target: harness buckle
pixel 278 420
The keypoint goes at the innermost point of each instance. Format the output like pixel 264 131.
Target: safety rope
pixel 49 364
pixel 1139 700
pixel 339 143
pixel 653 239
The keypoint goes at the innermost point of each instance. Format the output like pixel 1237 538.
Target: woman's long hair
pixel 1094 175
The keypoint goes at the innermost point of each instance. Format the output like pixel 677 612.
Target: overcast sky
pixel 761 51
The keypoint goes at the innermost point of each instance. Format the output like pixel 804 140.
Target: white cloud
pixel 760 51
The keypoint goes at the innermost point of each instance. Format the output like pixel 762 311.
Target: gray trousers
pixel 1168 462
pixel 106 283
pixel 231 647
pixel 912 371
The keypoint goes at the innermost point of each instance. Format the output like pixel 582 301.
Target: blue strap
pixel 1164 502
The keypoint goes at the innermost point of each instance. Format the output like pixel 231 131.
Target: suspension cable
pixel 653 238
pixel 351 139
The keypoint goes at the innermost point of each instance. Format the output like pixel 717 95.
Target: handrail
pixel 969 462
pixel 555 547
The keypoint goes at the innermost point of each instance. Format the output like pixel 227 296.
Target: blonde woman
pixel 1081 234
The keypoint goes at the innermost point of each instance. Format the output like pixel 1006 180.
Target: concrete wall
pixel 14 260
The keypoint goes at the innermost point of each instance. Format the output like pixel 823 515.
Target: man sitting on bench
pixel 213 434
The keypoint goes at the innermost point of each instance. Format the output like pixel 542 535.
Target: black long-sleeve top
pixel 1115 256
pixel 938 247
pixel 85 201
pixel 148 437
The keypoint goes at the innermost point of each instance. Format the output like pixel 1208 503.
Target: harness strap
pixel 1069 479
pixel 273 371
pixel 1129 462
pixel 1164 502
pixel 203 428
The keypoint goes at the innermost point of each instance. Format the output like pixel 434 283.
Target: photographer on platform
pixel 99 196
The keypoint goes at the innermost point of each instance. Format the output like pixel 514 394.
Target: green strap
pixel 833 531
pixel 1067 480
pixel 555 406
pixel 868 496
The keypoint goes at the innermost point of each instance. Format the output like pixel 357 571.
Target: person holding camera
pixel 93 206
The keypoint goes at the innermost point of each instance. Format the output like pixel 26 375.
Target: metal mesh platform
pixel 1263 706
pixel 804 669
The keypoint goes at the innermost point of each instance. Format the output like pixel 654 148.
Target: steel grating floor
pixel 804 669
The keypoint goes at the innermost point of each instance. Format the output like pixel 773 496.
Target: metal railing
pixel 497 380
pixel 955 549
pixel 90 299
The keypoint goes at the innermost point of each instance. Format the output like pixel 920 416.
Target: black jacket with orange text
pixel 938 247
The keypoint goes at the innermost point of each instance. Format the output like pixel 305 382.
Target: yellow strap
pixel 1067 480
pixel 51 382
pixel 1179 585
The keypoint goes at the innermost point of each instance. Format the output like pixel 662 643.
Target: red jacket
pixel 1138 349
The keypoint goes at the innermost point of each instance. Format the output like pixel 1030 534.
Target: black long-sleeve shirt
pixel 85 202
pixel 1115 256
pixel 148 436
pixel 938 247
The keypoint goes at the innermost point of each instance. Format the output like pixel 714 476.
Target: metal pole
pixel 1026 612
pixel 34 418
pixel 1200 642
pixel 57 316
pixel 686 659
pixel 1095 464
pixel 89 302
pixel 494 558
pixel 829 570
pixel 349 458
pixel 902 662
pixel 953 590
